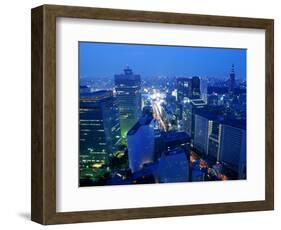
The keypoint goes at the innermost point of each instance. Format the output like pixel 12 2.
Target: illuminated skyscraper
pixel 99 125
pixel 128 92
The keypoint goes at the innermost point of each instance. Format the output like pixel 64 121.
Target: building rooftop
pixel 240 124
pixel 176 151
pixel 96 95
pixel 144 120
pixel 198 102
pixel 208 114
pixel 175 135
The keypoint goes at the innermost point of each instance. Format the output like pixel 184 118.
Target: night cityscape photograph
pixel 161 114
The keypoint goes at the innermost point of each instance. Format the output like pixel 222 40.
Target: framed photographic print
pixel 139 114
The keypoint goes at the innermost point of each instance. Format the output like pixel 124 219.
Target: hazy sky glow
pixel 107 59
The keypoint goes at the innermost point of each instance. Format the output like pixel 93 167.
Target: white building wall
pixel 141 147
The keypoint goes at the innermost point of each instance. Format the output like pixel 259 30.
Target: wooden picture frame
pixel 43 208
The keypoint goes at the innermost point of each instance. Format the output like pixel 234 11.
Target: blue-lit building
pixel 99 125
pixel 197 174
pixel 140 140
pixel 233 146
pixel 173 166
pixel 128 92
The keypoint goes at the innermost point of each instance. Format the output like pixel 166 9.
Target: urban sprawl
pixel 162 130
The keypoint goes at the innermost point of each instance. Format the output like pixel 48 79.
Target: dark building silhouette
pixel 166 141
pixel 188 88
pixel 195 87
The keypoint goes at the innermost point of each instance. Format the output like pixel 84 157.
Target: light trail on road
pixel 157 116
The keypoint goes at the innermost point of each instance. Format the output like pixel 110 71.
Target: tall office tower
pixel 188 112
pixel 99 125
pixel 204 89
pixel 201 134
pixel 233 146
pixel 203 128
pixel 183 88
pixel 195 85
pixel 173 167
pixel 231 80
pixel 141 143
pixel 188 88
pixel 128 92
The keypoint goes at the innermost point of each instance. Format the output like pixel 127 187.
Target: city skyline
pixel 159 60
pixel 162 130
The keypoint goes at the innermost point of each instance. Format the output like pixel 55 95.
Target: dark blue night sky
pixel 107 59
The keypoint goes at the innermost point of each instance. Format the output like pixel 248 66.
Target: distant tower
pixel 231 80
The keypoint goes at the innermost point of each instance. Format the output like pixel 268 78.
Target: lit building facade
pixel 202 132
pixel 207 134
pixel 188 114
pixel 233 147
pixel 214 141
pixel 128 93
pixel 99 125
